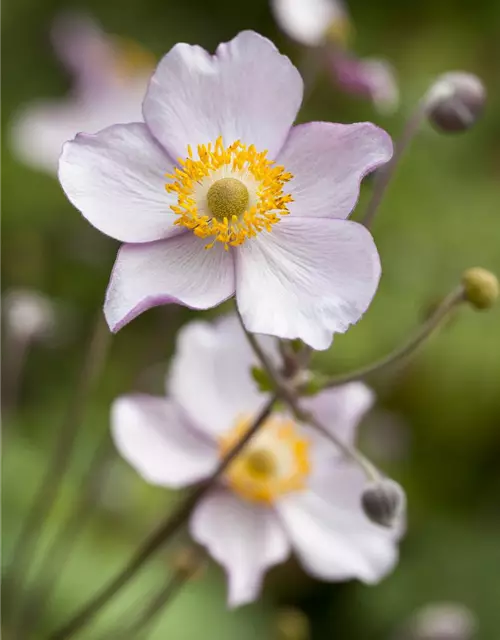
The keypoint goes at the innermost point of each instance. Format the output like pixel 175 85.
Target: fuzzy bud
pixel 480 287
pixel 29 315
pixel 188 562
pixel 292 624
pixel 383 502
pixel 443 621
pixel 455 101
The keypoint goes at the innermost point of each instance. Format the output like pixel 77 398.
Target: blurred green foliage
pixel 442 215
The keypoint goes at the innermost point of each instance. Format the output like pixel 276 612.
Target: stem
pixel 384 175
pixel 447 306
pixel 158 538
pixel 287 394
pixel 163 597
pixel 64 542
pixel 48 490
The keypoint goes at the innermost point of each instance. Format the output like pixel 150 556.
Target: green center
pixel 226 198
pixel 261 463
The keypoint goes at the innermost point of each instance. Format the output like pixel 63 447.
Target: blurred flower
pixel 29 315
pixel 289 488
pixel 326 24
pixel 226 219
pixel 109 80
pixel 442 621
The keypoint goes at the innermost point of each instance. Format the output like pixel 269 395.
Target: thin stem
pixel 287 394
pixel 161 599
pixel 64 542
pixel 48 490
pixel 384 175
pixel 160 536
pixel 455 298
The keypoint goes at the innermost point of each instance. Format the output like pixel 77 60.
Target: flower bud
pixel 29 315
pixel 443 621
pixel 292 624
pixel 455 101
pixel 383 502
pixel 188 562
pixel 480 287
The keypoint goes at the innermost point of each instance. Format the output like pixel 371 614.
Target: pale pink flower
pixel 289 489
pixel 109 78
pixel 252 206
pixel 326 24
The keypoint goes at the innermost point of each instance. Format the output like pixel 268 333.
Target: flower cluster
pixel 214 193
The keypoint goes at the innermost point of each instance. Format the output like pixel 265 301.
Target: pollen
pixel 275 462
pixel 228 194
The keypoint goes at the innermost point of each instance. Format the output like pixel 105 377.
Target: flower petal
pixel 176 270
pixel 210 376
pixel 307 21
pixel 330 533
pixel 247 92
pixel 328 162
pixel 152 435
pixel 116 178
pixel 307 279
pixel 341 409
pixel 244 538
pixel 368 77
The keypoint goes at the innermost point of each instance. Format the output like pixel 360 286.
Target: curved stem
pixel 158 538
pixel 64 542
pixel 384 175
pixel 449 304
pixel 57 467
pixel 287 394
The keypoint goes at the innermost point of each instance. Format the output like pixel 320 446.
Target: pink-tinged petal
pixel 210 375
pixel 246 539
pixel 179 270
pixel 367 77
pixel 307 279
pixel 307 21
pixel 153 436
pixel 328 162
pixel 116 178
pixel 331 535
pixel 341 409
pixel 247 92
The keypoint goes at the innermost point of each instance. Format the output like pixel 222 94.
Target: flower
pixel 109 80
pixel 326 24
pixel 288 489
pixel 252 206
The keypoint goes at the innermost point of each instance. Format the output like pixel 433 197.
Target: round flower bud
pixel 442 621
pixel 188 562
pixel 383 502
pixel 480 287
pixel 455 101
pixel 292 624
pixel 29 315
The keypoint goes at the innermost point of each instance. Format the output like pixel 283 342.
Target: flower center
pixel 228 194
pixel 276 461
pixel 227 198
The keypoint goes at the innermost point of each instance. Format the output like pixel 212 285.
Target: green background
pixel 437 426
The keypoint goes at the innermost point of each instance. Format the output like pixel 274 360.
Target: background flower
pixel 109 77
pixel 326 24
pixel 289 489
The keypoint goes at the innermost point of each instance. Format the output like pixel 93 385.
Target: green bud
pixel 480 287
pixel 262 379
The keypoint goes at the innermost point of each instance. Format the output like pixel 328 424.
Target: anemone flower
pixel 252 206
pixel 289 490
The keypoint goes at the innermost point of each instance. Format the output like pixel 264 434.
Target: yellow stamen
pixel 275 462
pixel 227 218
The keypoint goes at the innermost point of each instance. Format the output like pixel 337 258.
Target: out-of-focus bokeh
pixel 437 426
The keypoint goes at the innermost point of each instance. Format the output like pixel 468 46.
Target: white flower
pixel 29 315
pixel 216 195
pixel 288 489
pixel 309 21
pixel 109 78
